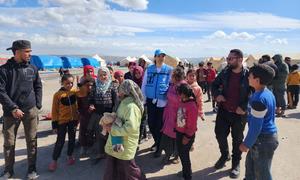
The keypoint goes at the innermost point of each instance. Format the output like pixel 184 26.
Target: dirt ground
pixel 285 163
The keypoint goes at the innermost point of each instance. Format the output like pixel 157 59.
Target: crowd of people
pixel 167 100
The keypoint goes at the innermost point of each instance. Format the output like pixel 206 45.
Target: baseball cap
pixel 159 52
pixel 20 44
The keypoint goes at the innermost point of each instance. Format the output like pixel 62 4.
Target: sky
pixel 182 28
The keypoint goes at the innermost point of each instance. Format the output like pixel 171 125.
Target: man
pixel 201 74
pixel 288 62
pixel 266 59
pixel 21 97
pixel 154 87
pixel 279 84
pixel 231 91
pixel 211 76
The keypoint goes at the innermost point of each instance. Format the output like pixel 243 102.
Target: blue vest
pixel 158 83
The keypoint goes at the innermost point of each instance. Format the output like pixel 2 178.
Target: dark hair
pixel 209 63
pixel 190 71
pixel 110 68
pixel 294 67
pixel 178 73
pixel 186 90
pixel 237 52
pixel 201 64
pixel 66 77
pixel 264 72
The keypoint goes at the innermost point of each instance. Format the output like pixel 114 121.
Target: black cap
pixel 20 44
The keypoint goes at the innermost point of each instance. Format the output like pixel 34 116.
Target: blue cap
pixel 159 52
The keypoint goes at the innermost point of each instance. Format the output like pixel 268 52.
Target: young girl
pixel 186 127
pixel 64 119
pixel 85 138
pixel 192 81
pixel 168 138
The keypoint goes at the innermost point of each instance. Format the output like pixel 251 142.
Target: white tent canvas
pixel 148 61
pixel 101 61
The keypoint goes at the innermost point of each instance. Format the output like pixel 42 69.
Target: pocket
pixel 265 149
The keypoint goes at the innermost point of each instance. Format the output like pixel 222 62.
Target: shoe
pixel 6 175
pixel 235 172
pixel 83 152
pixel 71 160
pixel 175 160
pixel 166 160
pixel 221 162
pixel 52 166
pixel 32 175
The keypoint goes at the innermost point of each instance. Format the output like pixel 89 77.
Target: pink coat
pixel 199 95
pixel 170 112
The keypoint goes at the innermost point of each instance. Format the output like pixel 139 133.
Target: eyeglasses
pixel 231 58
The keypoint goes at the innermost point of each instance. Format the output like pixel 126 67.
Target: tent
pixel 148 61
pixel 217 62
pixel 90 61
pixel 127 60
pixel 250 60
pixel 71 62
pixel 100 60
pixel 171 61
pixel 46 62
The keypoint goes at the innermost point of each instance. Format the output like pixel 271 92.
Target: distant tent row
pixel 54 62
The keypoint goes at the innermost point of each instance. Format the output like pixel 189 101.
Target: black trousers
pixel 143 126
pixel 62 129
pixel 203 86
pixel 184 155
pixel 155 121
pixel 227 122
pixel 294 90
pixel 209 85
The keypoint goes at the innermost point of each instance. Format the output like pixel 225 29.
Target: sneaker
pixel 6 175
pixel 221 162
pixel 71 160
pixel 235 172
pixel 52 166
pixel 32 175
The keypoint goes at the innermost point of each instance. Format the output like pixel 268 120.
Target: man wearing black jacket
pixel 231 90
pixel 21 97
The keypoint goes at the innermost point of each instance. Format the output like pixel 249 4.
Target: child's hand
pixel 91 108
pixel 243 148
pixel 185 140
pixel 202 118
pixel 54 131
pixel 220 98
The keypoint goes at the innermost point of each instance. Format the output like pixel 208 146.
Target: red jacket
pixel 211 75
pixel 187 115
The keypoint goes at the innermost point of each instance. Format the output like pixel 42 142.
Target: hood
pixel 278 59
pixel 86 68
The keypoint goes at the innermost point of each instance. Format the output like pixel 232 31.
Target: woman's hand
pixel 91 108
pixel 185 140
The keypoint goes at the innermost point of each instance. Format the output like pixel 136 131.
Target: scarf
pixel 102 87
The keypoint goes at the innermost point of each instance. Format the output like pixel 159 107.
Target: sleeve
pixel 132 117
pixel 199 96
pixel 288 79
pixel 38 89
pixel 55 111
pixel 216 85
pixel 143 88
pixel 191 121
pixel 255 122
pixel 5 100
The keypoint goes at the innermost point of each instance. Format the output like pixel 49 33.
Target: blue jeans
pixel 259 158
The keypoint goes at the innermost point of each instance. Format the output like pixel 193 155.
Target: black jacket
pixel 20 87
pixel 221 83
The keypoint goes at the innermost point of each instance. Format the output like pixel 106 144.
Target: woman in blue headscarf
pixel 103 98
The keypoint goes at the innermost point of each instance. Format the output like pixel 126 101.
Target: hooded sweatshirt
pixel 280 80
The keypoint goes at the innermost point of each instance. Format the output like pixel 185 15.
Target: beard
pixel 233 66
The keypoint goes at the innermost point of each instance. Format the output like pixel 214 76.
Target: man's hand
pixel 243 148
pixel 17 113
pixel 91 108
pixel 185 140
pixel 240 111
pixel 220 98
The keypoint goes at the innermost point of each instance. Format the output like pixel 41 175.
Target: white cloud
pixel 132 4
pixel 233 36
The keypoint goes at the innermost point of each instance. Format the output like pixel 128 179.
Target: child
pixel 293 83
pixel 192 81
pixel 261 140
pixel 82 95
pixel 64 119
pixel 186 127
pixel 119 76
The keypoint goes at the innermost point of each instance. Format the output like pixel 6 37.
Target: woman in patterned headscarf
pixel 121 165
pixel 103 98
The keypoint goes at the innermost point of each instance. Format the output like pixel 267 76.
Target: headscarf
pixel 103 86
pixel 130 88
pixel 85 70
pixel 141 71
pixel 118 73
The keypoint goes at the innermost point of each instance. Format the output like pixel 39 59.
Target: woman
pixel 103 98
pixel 121 165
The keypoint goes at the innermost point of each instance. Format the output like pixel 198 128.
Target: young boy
pixel 293 84
pixel 261 140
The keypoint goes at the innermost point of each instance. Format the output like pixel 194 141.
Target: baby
pixel 117 141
